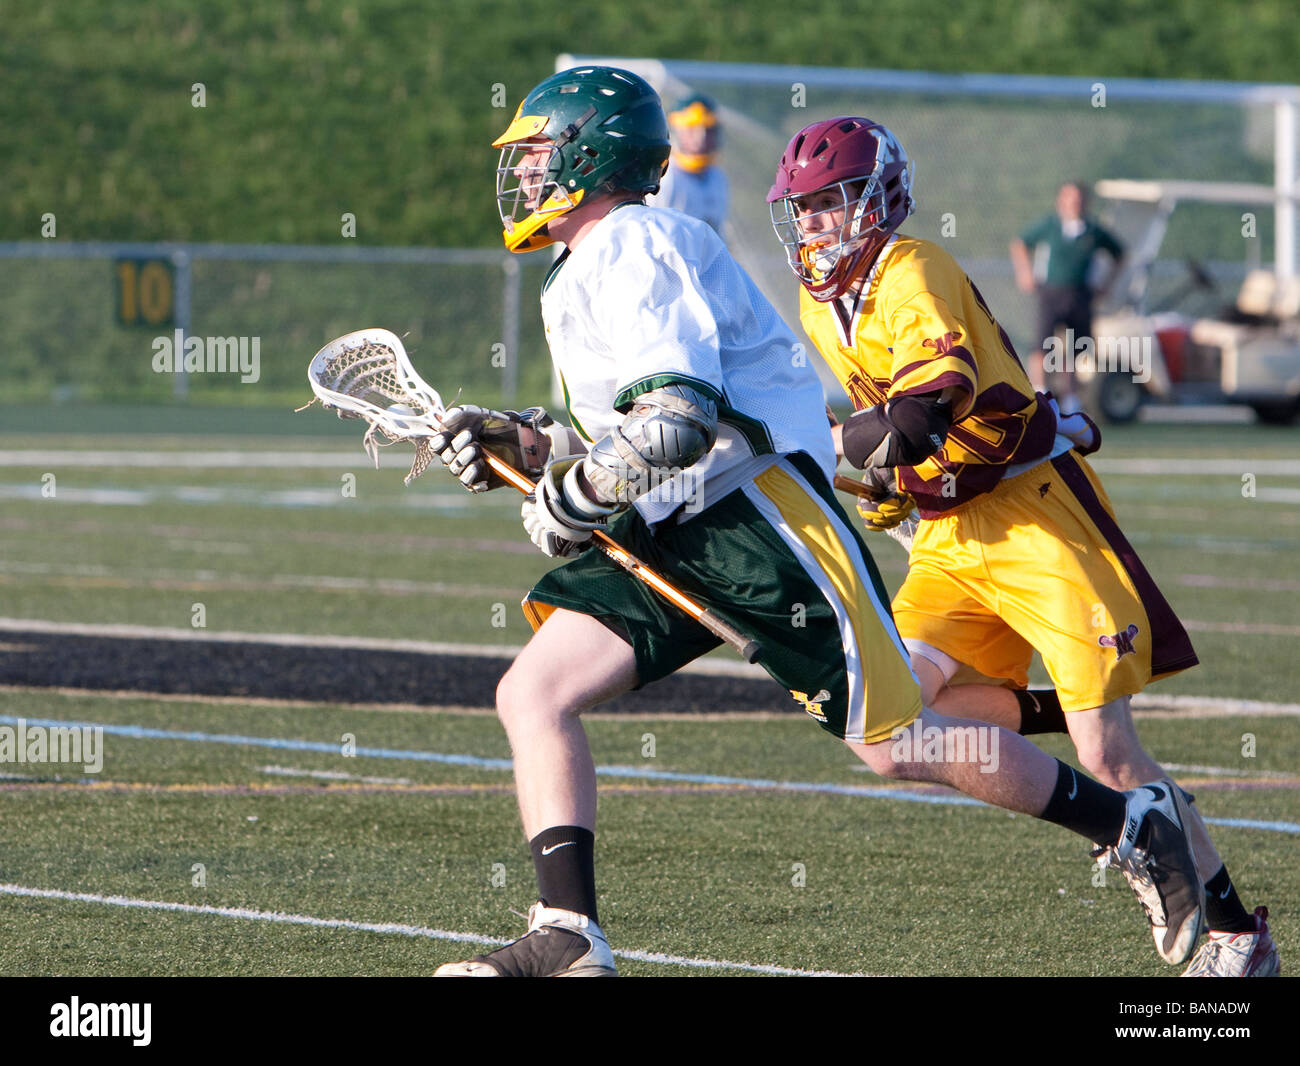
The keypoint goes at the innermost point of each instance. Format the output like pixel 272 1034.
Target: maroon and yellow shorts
pixel 1039 562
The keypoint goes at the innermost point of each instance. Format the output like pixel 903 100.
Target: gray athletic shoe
pixel 1154 853
pixel 558 943
pixel 1238 954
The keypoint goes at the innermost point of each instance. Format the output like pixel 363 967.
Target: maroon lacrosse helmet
pixel 865 163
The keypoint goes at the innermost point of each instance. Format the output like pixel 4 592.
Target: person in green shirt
pixel 1053 259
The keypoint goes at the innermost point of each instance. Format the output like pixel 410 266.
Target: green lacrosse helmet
pixel 605 130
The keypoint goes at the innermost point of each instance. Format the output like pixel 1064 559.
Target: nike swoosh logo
pixel 1224 893
pixel 553 847
pixel 1075 790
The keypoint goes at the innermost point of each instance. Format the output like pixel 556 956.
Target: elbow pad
pixel 900 432
pixel 667 430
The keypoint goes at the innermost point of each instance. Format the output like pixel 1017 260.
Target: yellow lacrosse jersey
pixel 920 325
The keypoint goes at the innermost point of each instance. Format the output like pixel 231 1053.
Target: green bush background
pixel 387 109
pixel 384 108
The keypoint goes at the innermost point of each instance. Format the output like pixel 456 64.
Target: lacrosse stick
pixel 367 375
pixel 904 532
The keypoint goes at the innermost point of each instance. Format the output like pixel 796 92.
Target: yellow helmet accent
pixel 692 164
pixel 695 114
pixel 521 128
pixel 523 236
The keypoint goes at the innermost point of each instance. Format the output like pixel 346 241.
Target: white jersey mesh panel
pixel 651 295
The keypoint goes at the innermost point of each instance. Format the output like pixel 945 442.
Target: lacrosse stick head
pixel 368 375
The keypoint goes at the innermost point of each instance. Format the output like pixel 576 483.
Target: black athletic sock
pixel 1085 806
pixel 1040 711
pixel 1224 912
pixel 564 857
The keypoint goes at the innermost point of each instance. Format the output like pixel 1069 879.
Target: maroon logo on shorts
pixel 1122 641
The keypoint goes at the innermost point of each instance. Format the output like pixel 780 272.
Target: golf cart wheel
pixel 1277 414
pixel 1116 397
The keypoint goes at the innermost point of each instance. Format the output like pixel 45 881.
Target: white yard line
pixel 389 928
pixel 331 775
pixel 245 702
pixel 1226 771
pixel 197 458
pixel 944 798
pixel 430 499
pixel 1144 706
pixel 233 459
pixel 1197 467
pixel 1153 705
pixel 222 580
pixel 1254 629
pixel 707 667
pixel 1253 584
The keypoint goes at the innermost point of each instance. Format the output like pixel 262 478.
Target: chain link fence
pixel 91 322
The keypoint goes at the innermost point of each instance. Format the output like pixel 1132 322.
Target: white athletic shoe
pixel 1154 853
pixel 558 943
pixel 1238 954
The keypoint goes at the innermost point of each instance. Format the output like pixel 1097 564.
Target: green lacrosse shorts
pixel 779 560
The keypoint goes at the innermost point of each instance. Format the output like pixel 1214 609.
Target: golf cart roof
pixel 1209 192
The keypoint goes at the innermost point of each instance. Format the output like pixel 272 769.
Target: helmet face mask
pixel 824 232
pixel 528 194
pixel 842 188
pixel 602 130
pixel 696 133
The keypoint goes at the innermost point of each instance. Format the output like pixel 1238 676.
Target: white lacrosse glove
pixel 559 517
pixel 523 439
pixel 1079 429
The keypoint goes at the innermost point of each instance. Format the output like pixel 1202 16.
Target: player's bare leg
pixel 988 703
pixel 571 664
pixel 1108 747
pixel 1240 945
pixel 1023 778
pixel 1022 711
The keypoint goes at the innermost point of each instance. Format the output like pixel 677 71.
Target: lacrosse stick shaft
pixel 747 648
pixel 857 488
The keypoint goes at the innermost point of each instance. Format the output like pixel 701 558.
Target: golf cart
pixel 1246 353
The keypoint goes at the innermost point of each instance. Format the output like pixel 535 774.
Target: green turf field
pixel 691 871
pixel 695 870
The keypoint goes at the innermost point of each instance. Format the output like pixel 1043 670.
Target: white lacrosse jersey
pixel 652 297
pixel 705 195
